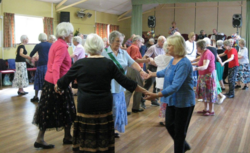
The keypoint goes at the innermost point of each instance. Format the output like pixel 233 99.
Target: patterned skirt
pixel 39 77
pixel 119 110
pixel 219 70
pixel 54 111
pixel 206 88
pixel 163 108
pixel 243 73
pixel 94 133
pixel 21 76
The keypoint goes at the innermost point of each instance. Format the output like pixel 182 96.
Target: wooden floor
pixel 226 132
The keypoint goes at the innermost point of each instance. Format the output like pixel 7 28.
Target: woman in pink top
pixel 56 111
pixel 206 86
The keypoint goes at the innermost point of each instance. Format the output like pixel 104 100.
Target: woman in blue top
pixel 177 92
pixel 43 51
pixel 122 58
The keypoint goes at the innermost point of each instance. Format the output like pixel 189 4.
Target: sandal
pixel 209 113
pixel 162 124
pixel 203 111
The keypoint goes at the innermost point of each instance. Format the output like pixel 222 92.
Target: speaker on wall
pixel 151 21
pixel 64 17
pixel 237 21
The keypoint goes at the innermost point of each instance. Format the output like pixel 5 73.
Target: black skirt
pixel 94 133
pixel 54 111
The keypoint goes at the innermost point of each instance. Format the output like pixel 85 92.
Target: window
pixel 30 26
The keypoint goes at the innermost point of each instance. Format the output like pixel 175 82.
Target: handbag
pixel 6 80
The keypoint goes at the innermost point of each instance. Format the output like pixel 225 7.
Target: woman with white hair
pixel 94 125
pixel 177 92
pixel 233 64
pixel 79 51
pixel 21 76
pixel 106 42
pixel 52 39
pixel 243 73
pixel 123 61
pixel 43 50
pixel 56 111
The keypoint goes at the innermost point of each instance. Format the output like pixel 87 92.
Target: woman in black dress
pixel 94 125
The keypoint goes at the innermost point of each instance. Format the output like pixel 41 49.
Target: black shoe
pixel 155 103
pixel 128 113
pixel 225 82
pixel 245 88
pixel 162 124
pixel 237 86
pixel 39 145
pixel 75 149
pixel 223 89
pixel 227 94
pixel 187 147
pixel 67 141
pixel 117 135
pixel 137 110
pixel 34 99
pixel 22 93
pixel 230 96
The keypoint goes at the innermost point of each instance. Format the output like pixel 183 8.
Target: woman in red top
pixel 232 58
pixel 56 111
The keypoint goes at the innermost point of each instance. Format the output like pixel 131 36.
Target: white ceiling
pixel 108 6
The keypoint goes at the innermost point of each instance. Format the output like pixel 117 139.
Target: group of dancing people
pixel 108 77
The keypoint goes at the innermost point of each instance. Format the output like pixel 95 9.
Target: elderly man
pixel 129 41
pixel 202 35
pixel 152 52
pixel 134 52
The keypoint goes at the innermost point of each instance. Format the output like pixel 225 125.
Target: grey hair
pixel 177 33
pixel 64 29
pixel 165 45
pixel 142 40
pixel 231 42
pixel 152 40
pixel 202 44
pixel 52 37
pixel 201 31
pixel 207 40
pixel 42 37
pixel 77 39
pixel 136 38
pixel 94 44
pixel 105 39
pixel 23 37
pixel 161 38
pixel 243 42
pixel 113 35
pixel 219 43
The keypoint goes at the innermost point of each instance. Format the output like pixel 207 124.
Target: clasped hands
pixel 57 90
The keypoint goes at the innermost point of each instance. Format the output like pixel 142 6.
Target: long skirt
pixel 243 73
pixel 206 87
pixel 119 111
pixel 21 76
pixel 162 112
pixel 94 133
pixel 217 83
pixel 39 77
pixel 219 70
pixel 54 111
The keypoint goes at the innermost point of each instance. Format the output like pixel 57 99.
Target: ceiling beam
pixel 61 3
pixel 142 14
pixel 124 14
pixel 70 5
pixel 138 2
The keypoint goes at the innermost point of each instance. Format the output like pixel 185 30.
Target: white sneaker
pixel 199 99
pixel 222 99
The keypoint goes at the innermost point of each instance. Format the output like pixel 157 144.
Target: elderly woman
pixel 21 76
pixel 206 87
pixel 233 65
pixel 192 52
pixel 243 74
pixel 220 69
pixel 150 42
pixel 56 111
pixel 43 50
pixel 173 29
pixel 217 62
pixel 105 41
pixel 52 39
pixel 79 51
pixel 94 125
pixel 177 92
pixel 122 60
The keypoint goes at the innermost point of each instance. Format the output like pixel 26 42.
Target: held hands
pixel 222 64
pixel 149 75
pixel 150 96
pixel 144 75
pixel 57 90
